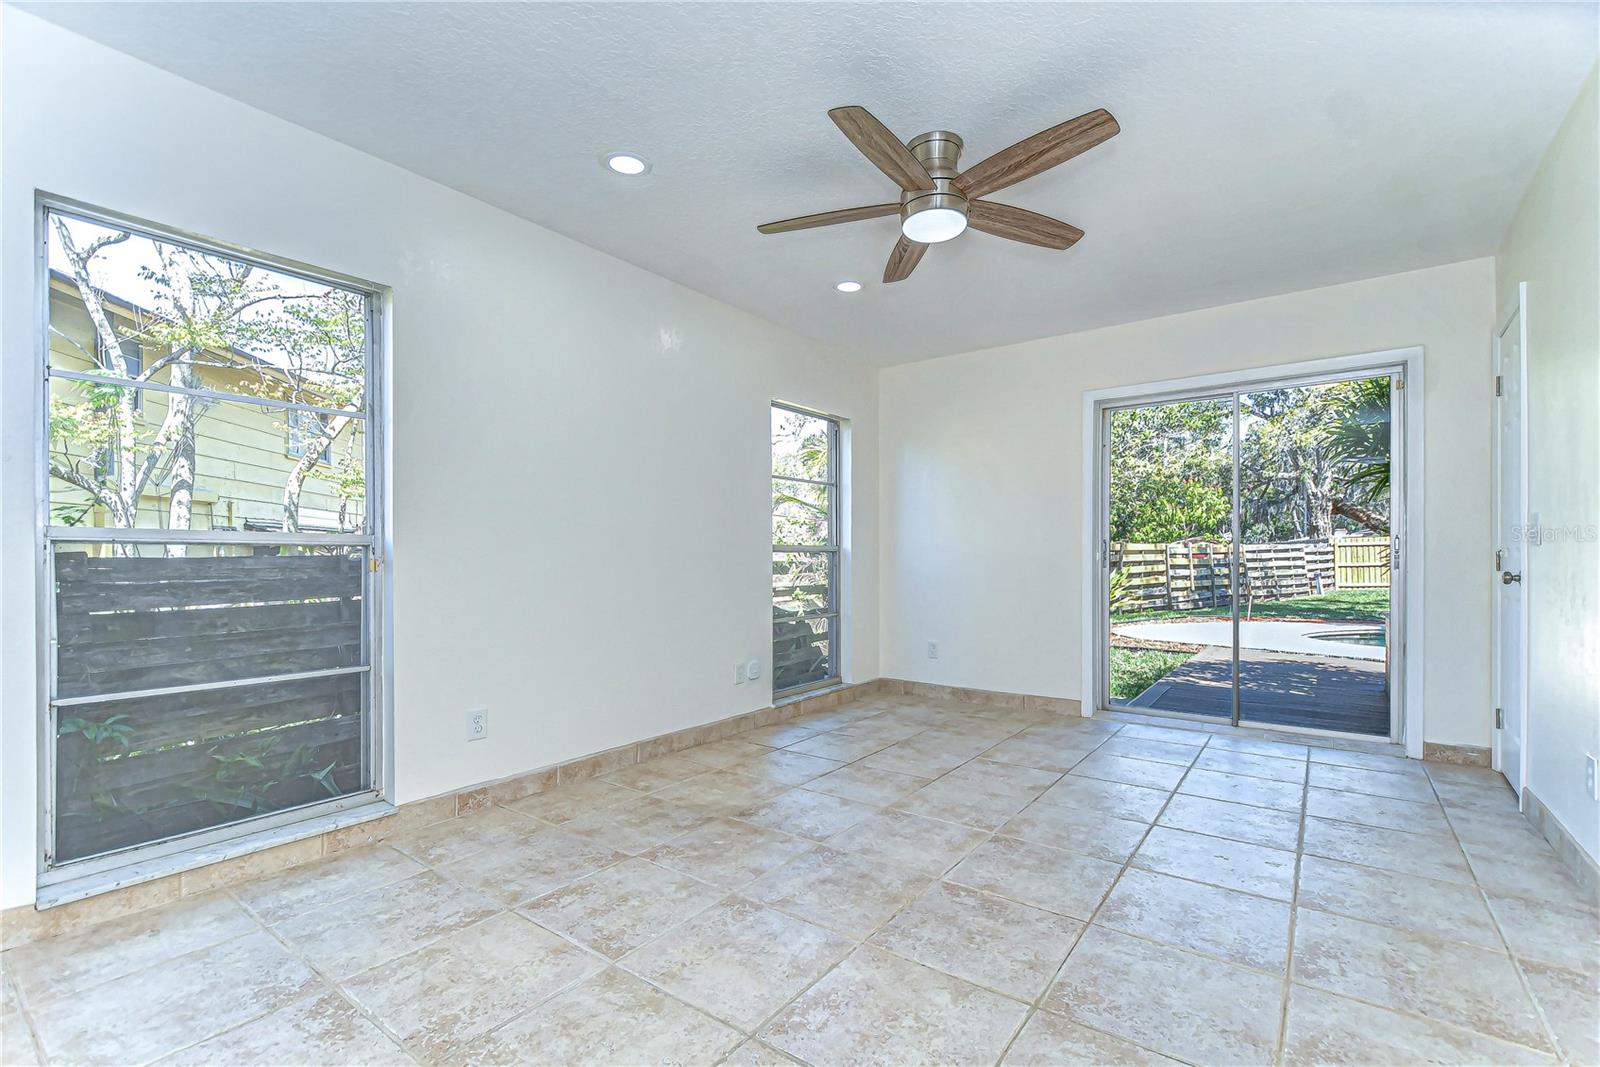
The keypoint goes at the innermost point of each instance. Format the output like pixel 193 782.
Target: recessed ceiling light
pixel 627 163
pixel 848 287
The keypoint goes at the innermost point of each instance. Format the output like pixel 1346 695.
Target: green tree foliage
pixel 1359 445
pixel 275 336
pixel 1170 472
pixel 1313 460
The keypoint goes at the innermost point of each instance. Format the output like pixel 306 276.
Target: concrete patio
pixel 1296 637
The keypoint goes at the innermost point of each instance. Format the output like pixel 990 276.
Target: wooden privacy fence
pixel 800 651
pixel 133 769
pixel 1186 575
pixel 1361 562
pixel 1183 574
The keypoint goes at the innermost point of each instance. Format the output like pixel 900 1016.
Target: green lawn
pixel 1133 670
pixel 1345 605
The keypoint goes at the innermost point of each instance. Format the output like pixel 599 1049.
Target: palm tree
pixel 1358 445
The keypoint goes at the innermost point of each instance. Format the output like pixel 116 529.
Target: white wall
pixel 1554 246
pixel 982 474
pixel 580 448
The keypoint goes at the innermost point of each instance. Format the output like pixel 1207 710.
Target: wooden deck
pixel 1324 692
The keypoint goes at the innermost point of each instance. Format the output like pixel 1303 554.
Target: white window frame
pixel 835 612
pixel 78 878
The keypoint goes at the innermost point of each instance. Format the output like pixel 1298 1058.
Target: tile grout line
pixel 327 984
pixel 994 833
pixel 337 985
pixel 1296 906
pixel 607 963
pixel 1111 888
pixel 1294 918
pixel 753 1035
pixel 1403 1011
pixel 35 1038
pixel 1288 968
pixel 1516 964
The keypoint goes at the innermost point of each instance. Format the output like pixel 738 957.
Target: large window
pixel 805 550
pixel 210 593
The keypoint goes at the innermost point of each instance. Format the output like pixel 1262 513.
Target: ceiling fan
pixel 939 201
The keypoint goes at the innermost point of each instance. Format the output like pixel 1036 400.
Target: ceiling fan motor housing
pixel 938 151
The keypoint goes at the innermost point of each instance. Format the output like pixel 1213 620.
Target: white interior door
pixel 1511 537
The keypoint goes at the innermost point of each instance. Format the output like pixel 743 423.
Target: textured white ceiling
pixel 1264 148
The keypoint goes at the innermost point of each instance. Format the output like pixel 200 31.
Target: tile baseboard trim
pixel 991 697
pixel 50 917
pixel 1584 867
pixel 1460 755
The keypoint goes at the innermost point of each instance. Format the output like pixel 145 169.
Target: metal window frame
pixel 371 539
pixel 1400 366
pixel 831 550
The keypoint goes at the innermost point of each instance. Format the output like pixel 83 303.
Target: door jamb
pixel 1407 543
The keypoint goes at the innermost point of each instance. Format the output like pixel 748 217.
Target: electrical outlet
pixel 739 675
pixel 1589 777
pixel 933 650
pixel 752 669
pixel 477 724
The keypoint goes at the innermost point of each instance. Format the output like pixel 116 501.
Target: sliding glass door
pixel 1247 554
pixel 1314 536
pixel 1169 588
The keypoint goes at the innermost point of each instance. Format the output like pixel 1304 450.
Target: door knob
pixel 1507 577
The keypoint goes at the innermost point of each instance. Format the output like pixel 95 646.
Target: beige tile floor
pixel 896 881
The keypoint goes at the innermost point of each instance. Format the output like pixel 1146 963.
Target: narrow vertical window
pixel 209 668
pixel 805 550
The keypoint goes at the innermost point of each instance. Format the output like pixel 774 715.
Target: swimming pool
pixel 1377 636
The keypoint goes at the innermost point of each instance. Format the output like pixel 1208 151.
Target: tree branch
pixel 76 478
pixel 1361 516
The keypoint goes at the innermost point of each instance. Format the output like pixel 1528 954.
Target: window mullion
pixel 206 687
pixel 358 414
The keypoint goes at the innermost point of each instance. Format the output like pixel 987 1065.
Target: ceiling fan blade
pixel 1019 224
pixel 882 147
pixel 1038 153
pixel 903 260
pixel 829 218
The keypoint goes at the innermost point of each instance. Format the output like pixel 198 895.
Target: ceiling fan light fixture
pixel 933 225
pixel 932 216
pixel 937 194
